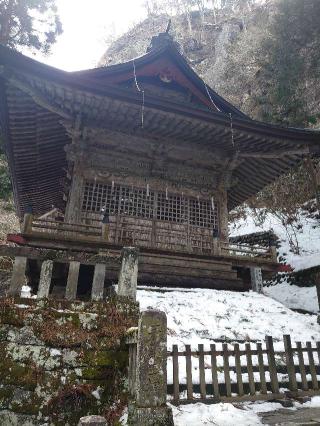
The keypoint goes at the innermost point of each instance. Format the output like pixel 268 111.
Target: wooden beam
pixel 275 154
pixel 62 256
pixel 35 94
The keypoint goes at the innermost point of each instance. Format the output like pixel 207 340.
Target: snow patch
pixel 294 297
pixel 202 316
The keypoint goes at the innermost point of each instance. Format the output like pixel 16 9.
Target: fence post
pixel 262 374
pixel 128 276
pixel 290 363
pixel 304 381
pixel 175 367
pixel 149 407
pixel 202 372
pixel 237 361
pixel 317 281
pixel 272 365
pixel 312 367
pixel 256 280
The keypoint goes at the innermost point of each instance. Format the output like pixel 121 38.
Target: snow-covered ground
pixel 214 316
pixel 294 297
pixel 224 414
pixel 203 316
pixel 229 415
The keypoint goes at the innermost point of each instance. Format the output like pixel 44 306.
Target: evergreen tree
pixel 29 23
pixel 290 59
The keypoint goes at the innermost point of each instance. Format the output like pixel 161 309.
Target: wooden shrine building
pixel 140 154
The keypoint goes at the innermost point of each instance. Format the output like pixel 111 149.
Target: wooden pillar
pixel 72 283
pixel 272 365
pixel 98 282
pixel 18 276
pixel 216 246
pixel 26 227
pixel 45 279
pixel 105 227
pixel 74 205
pixel 223 215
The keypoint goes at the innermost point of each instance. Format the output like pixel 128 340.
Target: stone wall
pixel 62 360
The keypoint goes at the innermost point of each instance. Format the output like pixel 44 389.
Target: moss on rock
pixel 62 360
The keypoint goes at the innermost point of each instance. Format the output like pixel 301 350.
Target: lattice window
pixel 97 196
pixel 136 202
pixel 202 214
pixel 172 208
pixel 116 199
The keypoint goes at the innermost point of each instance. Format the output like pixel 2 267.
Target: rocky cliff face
pixel 205 45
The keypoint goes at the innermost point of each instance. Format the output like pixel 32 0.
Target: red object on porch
pixel 16 238
pixel 285 268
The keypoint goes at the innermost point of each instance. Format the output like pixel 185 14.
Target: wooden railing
pixel 247 250
pixel 244 374
pixel 174 238
pixel 65 230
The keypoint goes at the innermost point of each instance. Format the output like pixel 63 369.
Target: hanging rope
pixel 140 91
pixel 230 116
pixel 231 128
pixel 209 96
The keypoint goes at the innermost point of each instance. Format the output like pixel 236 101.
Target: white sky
pixel 86 25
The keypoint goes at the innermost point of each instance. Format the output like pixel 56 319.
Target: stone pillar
pixel 273 252
pixel 72 283
pixel 98 282
pixel 256 279
pixel 18 276
pixel 150 406
pixel 128 276
pixel 45 279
